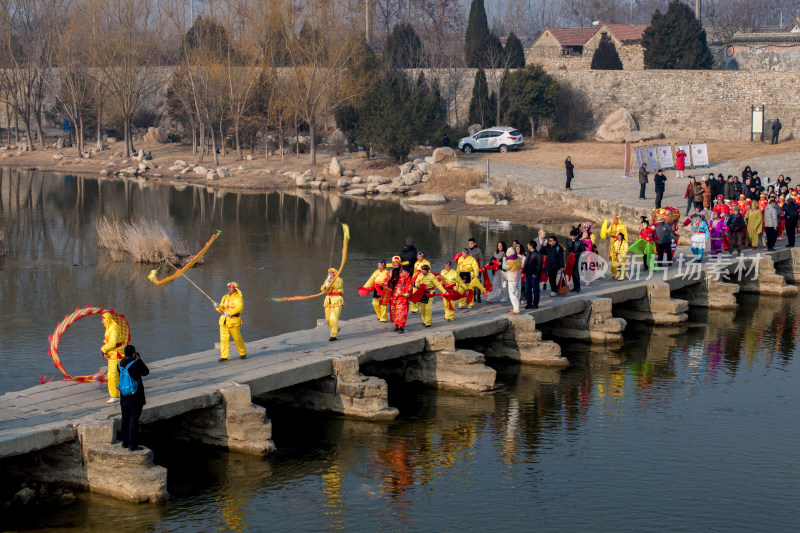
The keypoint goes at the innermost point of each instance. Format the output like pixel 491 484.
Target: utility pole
pixel 366 19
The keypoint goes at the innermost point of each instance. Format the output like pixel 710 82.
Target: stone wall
pixel 707 104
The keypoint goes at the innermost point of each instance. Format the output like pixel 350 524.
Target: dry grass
pixel 139 241
pixel 455 182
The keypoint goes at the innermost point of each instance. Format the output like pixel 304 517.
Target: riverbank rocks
pixel 356 192
pixel 483 197
pixel 58 155
pixel 378 180
pixel 224 172
pixel 342 183
pixel 335 168
pixel 428 199
pixel 443 155
pixel 616 126
pixel 200 170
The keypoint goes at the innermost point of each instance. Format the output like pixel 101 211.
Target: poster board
pixel 699 154
pixel 686 148
pixel 665 156
pixel 652 157
pixel 641 157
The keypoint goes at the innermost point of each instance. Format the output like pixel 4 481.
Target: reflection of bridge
pixel 64 433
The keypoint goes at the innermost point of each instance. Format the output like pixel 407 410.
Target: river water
pixel 681 429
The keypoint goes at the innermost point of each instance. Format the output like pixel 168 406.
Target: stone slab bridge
pixel 64 433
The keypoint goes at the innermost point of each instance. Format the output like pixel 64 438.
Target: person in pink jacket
pixel 680 163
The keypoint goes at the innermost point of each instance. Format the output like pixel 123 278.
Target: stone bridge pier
pixel 769 281
pixel 656 307
pixel 594 324
pixel 347 392
pixel 440 365
pixel 95 462
pixel 232 421
pixel 710 293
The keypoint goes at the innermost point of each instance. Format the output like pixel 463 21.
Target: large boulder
pixel 616 126
pixel 336 169
pixel 444 154
pixel 153 136
pixel 474 128
pixel 428 199
pixel 200 170
pixel 483 197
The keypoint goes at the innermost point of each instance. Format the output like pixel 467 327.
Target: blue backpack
pixel 127 385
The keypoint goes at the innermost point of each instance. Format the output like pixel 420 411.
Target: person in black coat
pixel 555 262
pixel 575 246
pixel 659 179
pixel 642 180
pixel 408 256
pixel 776 130
pixel 132 405
pixel 570 172
pixel 791 214
pixel 533 272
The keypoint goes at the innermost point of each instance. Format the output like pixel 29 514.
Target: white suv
pixel 499 138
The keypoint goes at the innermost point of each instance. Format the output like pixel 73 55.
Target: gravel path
pixel 610 185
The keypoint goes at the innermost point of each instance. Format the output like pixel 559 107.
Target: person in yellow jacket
pixel 114 350
pixel 333 302
pixel 451 280
pixel 426 303
pixel 377 282
pixel 610 232
pixel 230 323
pixel 469 271
pixel 412 307
pixel 619 256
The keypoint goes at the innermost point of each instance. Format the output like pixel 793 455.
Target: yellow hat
pixel 233 284
pixel 332 270
pixel 396 259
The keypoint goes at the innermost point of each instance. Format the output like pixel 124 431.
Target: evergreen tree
pixel 515 54
pixel 397 116
pixel 404 48
pixel 488 53
pixel 532 95
pixel 676 40
pixel 605 56
pixel 481 106
pixel 477 30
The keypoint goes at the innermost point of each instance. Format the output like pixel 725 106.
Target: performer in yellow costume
pixel 451 280
pixel 333 302
pixel 417 272
pixel 113 350
pixel 426 303
pixel 619 256
pixel 230 323
pixel 468 271
pixel 377 282
pixel 610 232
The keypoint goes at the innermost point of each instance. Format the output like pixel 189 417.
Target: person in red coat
pixel 680 163
pixel 398 289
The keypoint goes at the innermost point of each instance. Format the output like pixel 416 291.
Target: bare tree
pixel 318 55
pixel 26 30
pixel 125 38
